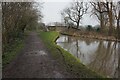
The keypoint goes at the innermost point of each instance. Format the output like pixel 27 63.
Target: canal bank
pixel 63 57
pixel 90 35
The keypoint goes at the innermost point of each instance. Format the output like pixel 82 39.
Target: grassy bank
pixel 12 51
pixel 70 63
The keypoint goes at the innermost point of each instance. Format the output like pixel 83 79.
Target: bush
pixel 89 27
pixel 98 30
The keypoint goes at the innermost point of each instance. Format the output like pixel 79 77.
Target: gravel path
pixel 34 61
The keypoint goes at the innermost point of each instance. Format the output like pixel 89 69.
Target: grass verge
pixel 71 63
pixel 12 51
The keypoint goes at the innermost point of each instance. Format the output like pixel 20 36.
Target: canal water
pixel 98 55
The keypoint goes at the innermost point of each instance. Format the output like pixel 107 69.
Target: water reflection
pixel 100 56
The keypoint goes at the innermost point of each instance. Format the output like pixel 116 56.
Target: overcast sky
pixel 51 11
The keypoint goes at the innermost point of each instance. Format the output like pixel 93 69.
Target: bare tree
pixel 109 7
pixel 75 12
pixel 100 12
pixel 106 13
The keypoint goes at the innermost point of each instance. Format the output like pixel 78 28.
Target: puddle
pixel 57 74
pixel 36 42
pixel 36 53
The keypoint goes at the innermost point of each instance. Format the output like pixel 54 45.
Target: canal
pixel 98 55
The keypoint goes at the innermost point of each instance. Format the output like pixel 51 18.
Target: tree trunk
pixel 118 26
pixel 101 22
pixel 23 28
pixel 110 21
pixel 110 24
pixel 78 24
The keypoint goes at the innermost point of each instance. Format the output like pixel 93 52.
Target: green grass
pixel 12 51
pixel 69 62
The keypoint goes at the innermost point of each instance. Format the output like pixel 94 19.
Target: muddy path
pixel 34 61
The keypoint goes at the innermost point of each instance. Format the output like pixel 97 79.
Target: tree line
pixel 16 18
pixel 107 12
